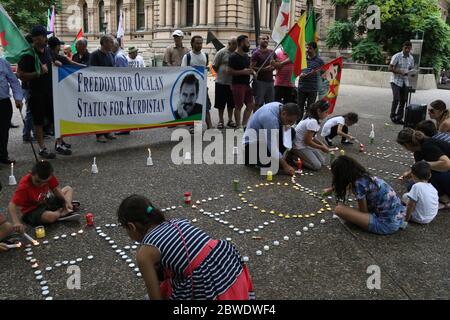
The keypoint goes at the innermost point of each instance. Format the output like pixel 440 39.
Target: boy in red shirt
pixel 37 207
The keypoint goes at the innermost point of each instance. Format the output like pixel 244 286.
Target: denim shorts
pixel 382 227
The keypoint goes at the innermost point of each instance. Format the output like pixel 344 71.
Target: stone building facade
pixel 148 24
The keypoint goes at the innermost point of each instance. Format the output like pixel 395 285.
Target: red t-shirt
pixel 283 77
pixel 28 196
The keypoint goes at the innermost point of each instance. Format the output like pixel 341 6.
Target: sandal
pixel 231 124
pixel 444 206
pixel 220 125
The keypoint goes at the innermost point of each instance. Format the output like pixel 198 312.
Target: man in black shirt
pixel 40 84
pixel 82 55
pixel 103 57
pixel 55 48
pixel 239 69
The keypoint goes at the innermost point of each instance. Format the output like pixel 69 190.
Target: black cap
pixel 54 41
pixel 39 31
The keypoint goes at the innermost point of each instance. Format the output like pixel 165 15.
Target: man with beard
pixel 239 68
pixel 263 87
pixel 188 106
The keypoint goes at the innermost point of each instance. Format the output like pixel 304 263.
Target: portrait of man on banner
pixel 189 92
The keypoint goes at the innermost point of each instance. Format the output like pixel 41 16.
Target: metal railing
pixel 380 67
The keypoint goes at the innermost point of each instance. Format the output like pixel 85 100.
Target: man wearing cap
pixel 55 48
pixel 7 80
pixel 134 59
pixel 174 53
pixel 40 83
pixel 82 55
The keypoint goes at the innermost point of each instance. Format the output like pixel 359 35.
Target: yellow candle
pixel 40 232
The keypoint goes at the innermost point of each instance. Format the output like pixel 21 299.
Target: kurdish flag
pixel 331 75
pixel 13 42
pixel 294 45
pixel 311 30
pixel 78 37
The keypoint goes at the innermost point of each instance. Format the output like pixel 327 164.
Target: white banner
pixel 104 99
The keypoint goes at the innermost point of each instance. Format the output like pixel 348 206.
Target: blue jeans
pixel 382 227
pixel 28 125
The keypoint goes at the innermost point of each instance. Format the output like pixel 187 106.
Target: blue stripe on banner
pixel 65 71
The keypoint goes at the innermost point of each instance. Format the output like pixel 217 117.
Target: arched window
pixel 101 16
pixel 189 13
pixel 85 18
pixel 273 12
pixel 140 15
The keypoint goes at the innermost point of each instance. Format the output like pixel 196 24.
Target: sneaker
pixel 71 217
pixel 329 142
pixel 47 155
pixel 347 142
pixel 63 150
pixel 67 145
pixel 109 136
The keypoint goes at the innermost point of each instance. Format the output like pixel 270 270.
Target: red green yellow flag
pixel 78 37
pixel 294 45
pixel 310 30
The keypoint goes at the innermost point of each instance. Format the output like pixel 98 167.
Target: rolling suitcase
pixel 414 113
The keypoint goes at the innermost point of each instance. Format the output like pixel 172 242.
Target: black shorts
pixel 33 218
pixel 41 108
pixel 224 97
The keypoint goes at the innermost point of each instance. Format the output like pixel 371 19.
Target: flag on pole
pixel 281 26
pixel 311 31
pixel 79 36
pixel 13 42
pixel 51 21
pixel 331 75
pixel 120 31
pixel 294 45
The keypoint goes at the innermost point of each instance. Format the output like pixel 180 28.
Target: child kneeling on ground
pixel 422 201
pixel 380 210
pixel 338 126
pixel 195 266
pixel 31 197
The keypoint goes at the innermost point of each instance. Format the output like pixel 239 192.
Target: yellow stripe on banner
pixel 71 128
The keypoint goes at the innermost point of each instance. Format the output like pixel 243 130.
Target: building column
pixel 162 13
pixel 177 13
pixel 91 19
pixel 183 13
pixel 211 12
pixel 202 14
pixel 169 13
pixel 148 15
pixel 263 14
pixel 196 12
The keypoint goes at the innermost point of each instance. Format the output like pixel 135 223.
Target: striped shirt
pixel 443 136
pixel 311 82
pixel 216 273
pixel 399 61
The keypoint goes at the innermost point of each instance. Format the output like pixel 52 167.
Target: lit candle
pixel 14 245
pixel 27 236
pixel 40 232
pixel 12 169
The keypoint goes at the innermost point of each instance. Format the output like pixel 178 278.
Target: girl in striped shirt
pixel 189 264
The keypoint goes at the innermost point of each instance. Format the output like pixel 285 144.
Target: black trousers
pixel 256 146
pixel 284 94
pixel 309 98
pixel 333 132
pixel 6 111
pixel 400 95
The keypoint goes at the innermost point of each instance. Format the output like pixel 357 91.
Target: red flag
pixel 331 73
pixel 79 36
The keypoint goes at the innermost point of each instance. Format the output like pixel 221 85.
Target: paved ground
pixel 329 261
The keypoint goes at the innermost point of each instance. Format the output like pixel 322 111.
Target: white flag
pixel 281 26
pixel 120 32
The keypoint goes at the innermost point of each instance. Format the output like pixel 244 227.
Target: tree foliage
pixel 28 13
pixel 401 20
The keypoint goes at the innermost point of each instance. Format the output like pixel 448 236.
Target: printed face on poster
pixel 100 99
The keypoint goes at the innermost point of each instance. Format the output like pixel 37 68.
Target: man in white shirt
pixel 134 59
pixel 196 57
pixel 401 65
